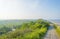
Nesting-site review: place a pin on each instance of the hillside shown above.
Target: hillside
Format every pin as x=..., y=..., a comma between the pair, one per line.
x=31, y=30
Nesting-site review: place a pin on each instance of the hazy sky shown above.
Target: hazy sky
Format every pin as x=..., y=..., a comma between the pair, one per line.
x=29, y=9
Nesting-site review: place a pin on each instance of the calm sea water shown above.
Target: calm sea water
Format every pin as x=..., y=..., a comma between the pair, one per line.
x=57, y=21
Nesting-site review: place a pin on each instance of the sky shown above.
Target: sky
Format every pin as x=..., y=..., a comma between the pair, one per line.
x=29, y=9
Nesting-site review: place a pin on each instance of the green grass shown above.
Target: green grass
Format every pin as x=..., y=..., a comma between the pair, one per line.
x=58, y=31
x=31, y=30
x=57, y=28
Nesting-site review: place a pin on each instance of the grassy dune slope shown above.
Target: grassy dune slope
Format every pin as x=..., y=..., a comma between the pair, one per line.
x=31, y=30
x=57, y=28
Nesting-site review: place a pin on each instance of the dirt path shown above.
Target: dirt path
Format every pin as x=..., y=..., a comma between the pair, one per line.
x=51, y=34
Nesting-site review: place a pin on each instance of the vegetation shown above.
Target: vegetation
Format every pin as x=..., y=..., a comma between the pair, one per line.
x=32, y=30
x=57, y=29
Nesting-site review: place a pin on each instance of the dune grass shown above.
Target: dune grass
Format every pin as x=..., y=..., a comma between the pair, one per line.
x=31, y=30
x=57, y=28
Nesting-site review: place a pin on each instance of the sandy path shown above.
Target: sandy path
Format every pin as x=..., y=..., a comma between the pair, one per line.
x=51, y=34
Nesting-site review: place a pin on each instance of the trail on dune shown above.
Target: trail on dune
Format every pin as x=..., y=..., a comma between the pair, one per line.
x=51, y=34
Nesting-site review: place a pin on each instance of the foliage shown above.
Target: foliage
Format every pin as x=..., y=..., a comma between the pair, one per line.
x=31, y=30
x=57, y=28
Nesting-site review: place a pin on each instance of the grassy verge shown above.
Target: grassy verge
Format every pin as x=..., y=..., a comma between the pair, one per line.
x=57, y=28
